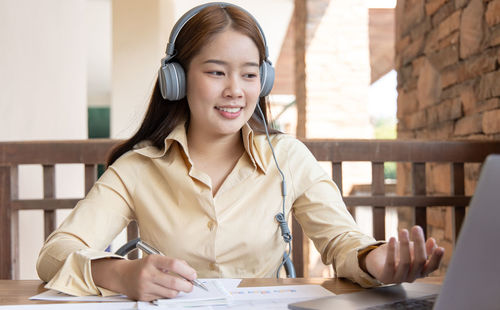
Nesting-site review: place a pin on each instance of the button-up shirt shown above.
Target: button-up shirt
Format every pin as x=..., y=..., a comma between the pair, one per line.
x=231, y=234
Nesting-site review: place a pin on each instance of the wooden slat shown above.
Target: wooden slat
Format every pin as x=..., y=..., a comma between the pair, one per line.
x=457, y=188
x=401, y=150
x=412, y=201
x=14, y=222
x=419, y=188
x=337, y=174
x=90, y=176
x=298, y=255
x=44, y=204
x=5, y=224
x=55, y=152
x=132, y=233
x=378, y=189
x=49, y=192
x=299, y=25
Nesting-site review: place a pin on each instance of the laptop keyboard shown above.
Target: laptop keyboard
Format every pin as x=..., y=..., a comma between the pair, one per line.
x=425, y=302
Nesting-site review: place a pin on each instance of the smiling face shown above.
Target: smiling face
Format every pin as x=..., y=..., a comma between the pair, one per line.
x=223, y=85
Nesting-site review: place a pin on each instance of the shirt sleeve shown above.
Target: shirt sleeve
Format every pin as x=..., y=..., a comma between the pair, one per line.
x=65, y=258
x=322, y=214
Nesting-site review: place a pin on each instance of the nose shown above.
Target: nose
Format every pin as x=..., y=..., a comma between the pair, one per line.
x=233, y=88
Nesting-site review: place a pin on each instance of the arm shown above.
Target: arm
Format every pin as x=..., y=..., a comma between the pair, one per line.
x=320, y=210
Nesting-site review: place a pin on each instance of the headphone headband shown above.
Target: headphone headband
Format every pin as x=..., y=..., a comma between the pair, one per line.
x=191, y=13
x=171, y=75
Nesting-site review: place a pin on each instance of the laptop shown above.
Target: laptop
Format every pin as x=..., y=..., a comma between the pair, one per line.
x=473, y=277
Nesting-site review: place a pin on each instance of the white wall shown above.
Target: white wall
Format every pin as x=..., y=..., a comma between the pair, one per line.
x=42, y=95
x=98, y=29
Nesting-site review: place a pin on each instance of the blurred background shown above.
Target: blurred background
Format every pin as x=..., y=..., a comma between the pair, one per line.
x=78, y=69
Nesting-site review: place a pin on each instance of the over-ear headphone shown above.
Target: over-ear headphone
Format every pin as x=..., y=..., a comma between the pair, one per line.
x=171, y=75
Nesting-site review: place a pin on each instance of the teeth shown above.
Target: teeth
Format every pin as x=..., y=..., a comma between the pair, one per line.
x=229, y=110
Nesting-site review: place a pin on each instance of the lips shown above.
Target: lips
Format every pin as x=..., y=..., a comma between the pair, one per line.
x=229, y=112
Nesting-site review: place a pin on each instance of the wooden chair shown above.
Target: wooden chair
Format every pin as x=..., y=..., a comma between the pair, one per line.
x=93, y=152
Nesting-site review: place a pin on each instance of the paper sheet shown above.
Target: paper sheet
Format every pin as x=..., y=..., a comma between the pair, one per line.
x=77, y=306
x=52, y=295
x=269, y=298
x=242, y=298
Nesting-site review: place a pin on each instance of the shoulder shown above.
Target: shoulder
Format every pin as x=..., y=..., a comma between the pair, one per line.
x=286, y=147
x=129, y=162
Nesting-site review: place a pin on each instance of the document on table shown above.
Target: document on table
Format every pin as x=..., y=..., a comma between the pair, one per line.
x=270, y=297
x=131, y=305
x=223, y=294
x=52, y=295
x=217, y=295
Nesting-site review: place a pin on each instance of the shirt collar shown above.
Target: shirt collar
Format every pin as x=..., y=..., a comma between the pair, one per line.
x=253, y=147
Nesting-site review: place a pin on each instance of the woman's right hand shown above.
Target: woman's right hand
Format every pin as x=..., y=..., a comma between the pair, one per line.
x=144, y=279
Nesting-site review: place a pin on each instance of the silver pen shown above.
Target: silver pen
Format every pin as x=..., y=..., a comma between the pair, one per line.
x=150, y=250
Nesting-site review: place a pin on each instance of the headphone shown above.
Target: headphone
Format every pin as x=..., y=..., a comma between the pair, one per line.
x=171, y=75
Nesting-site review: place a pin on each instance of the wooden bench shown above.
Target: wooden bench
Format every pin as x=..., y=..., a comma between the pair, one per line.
x=93, y=152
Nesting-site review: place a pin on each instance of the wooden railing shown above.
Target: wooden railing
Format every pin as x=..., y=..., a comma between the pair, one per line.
x=418, y=154
x=94, y=152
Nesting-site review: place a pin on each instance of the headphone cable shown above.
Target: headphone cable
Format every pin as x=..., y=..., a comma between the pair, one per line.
x=281, y=217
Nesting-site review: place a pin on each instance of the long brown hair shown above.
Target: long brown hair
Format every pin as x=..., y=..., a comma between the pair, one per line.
x=162, y=115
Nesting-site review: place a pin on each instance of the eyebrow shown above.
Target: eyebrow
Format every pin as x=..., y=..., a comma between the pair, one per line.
x=224, y=63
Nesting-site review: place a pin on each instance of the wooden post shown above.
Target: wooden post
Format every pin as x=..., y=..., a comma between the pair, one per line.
x=300, y=254
x=378, y=189
x=5, y=224
x=49, y=191
x=300, y=15
x=457, y=189
x=419, y=188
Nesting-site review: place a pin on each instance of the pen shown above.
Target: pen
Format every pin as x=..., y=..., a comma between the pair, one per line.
x=150, y=250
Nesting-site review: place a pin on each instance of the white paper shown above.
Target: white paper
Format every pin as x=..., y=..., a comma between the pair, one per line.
x=217, y=294
x=52, y=295
x=286, y=292
x=242, y=298
x=76, y=306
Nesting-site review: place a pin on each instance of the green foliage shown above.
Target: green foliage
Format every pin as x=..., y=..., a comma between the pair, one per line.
x=385, y=128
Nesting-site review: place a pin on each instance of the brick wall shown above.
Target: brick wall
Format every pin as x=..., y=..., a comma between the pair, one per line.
x=447, y=59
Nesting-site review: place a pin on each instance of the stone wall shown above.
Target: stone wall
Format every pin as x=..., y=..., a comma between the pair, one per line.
x=447, y=59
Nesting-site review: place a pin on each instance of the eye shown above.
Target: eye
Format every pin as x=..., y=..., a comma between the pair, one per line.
x=250, y=75
x=216, y=73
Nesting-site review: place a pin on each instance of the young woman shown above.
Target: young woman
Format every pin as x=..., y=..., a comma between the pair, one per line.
x=200, y=179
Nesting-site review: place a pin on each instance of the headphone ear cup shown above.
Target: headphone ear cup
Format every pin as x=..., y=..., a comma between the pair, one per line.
x=172, y=81
x=266, y=78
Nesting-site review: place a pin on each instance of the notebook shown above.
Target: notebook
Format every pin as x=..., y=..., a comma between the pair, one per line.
x=473, y=277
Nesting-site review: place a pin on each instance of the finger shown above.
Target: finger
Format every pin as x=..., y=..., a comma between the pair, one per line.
x=404, y=257
x=434, y=261
x=390, y=262
x=177, y=266
x=419, y=254
x=168, y=285
x=430, y=245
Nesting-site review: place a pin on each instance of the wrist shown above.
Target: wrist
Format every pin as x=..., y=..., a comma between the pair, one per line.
x=106, y=273
x=363, y=256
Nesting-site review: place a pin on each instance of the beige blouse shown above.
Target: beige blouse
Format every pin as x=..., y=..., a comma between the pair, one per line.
x=231, y=235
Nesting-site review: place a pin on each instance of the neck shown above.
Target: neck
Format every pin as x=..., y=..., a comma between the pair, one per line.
x=214, y=147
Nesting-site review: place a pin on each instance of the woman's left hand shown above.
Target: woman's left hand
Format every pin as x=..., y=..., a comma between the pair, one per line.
x=404, y=260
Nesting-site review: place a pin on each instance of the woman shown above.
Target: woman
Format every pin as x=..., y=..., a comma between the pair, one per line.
x=201, y=181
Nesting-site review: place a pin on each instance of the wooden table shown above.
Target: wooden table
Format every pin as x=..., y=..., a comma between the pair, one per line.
x=17, y=292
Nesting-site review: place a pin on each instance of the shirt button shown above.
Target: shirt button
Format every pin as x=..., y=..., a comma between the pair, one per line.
x=212, y=266
x=211, y=225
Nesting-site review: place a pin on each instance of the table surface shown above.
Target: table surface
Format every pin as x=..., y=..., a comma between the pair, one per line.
x=17, y=292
